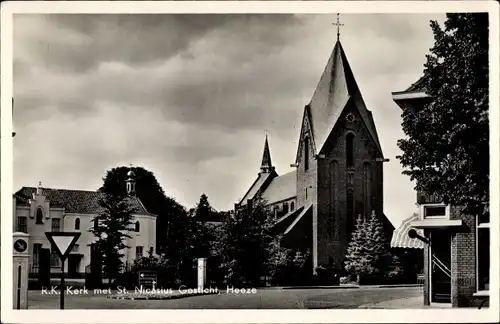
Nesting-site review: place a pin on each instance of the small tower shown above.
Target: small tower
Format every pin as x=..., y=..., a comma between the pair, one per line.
x=39, y=188
x=266, y=165
x=130, y=183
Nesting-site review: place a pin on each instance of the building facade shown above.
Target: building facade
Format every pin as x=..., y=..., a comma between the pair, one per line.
x=338, y=170
x=39, y=210
x=456, y=245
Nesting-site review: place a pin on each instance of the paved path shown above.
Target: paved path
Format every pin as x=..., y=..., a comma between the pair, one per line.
x=262, y=299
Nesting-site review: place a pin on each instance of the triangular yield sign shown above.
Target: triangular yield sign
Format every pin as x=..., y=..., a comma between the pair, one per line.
x=63, y=241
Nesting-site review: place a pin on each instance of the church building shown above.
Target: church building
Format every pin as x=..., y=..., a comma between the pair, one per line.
x=338, y=170
x=39, y=210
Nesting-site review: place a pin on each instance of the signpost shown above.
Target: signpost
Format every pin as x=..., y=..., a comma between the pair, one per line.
x=20, y=270
x=147, y=278
x=63, y=242
x=202, y=273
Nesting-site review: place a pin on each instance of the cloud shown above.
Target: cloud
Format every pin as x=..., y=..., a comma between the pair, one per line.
x=189, y=96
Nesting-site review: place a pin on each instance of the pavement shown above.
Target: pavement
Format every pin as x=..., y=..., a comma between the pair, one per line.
x=339, y=298
x=398, y=303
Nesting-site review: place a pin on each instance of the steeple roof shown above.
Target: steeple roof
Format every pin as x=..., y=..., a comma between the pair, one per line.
x=336, y=88
x=266, y=165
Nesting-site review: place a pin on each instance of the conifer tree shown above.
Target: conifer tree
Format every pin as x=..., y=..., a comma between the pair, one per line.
x=355, y=260
x=377, y=247
x=111, y=228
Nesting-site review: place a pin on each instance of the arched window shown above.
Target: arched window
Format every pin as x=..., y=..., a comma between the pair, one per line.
x=292, y=206
x=137, y=226
x=77, y=223
x=349, y=149
x=306, y=153
x=285, y=208
x=350, y=211
x=39, y=215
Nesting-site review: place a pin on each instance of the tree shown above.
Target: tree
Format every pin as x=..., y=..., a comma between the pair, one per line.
x=356, y=262
x=377, y=247
x=368, y=256
x=447, y=149
x=111, y=229
x=171, y=222
x=246, y=241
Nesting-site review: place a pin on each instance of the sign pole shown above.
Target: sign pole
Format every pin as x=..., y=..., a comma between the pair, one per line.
x=63, y=242
x=19, y=274
x=62, y=284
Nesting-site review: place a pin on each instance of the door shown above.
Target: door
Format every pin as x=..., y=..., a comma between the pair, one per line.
x=440, y=252
x=73, y=264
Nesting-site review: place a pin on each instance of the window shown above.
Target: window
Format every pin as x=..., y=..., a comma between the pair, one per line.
x=276, y=211
x=75, y=248
x=39, y=216
x=306, y=153
x=137, y=227
x=37, y=247
x=349, y=149
x=77, y=223
x=22, y=224
x=54, y=258
x=350, y=212
x=292, y=206
x=56, y=224
x=96, y=224
x=435, y=211
x=285, y=208
x=483, y=253
x=138, y=252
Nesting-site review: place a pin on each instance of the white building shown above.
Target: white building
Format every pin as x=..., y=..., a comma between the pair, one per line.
x=40, y=210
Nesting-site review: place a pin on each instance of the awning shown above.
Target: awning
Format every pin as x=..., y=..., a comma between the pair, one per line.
x=400, y=238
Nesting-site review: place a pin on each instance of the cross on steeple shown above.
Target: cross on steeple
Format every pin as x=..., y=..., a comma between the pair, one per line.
x=338, y=24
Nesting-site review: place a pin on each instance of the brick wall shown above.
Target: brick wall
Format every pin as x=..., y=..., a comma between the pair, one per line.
x=463, y=260
x=332, y=202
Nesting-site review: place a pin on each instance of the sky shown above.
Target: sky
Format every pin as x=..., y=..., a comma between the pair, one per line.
x=190, y=97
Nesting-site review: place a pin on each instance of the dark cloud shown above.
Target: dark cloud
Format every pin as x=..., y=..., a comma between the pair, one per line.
x=136, y=39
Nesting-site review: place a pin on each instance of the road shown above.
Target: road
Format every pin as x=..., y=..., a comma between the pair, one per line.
x=263, y=299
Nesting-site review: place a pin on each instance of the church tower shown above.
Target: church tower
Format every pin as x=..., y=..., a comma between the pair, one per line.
x=266, y=165
x=339, y=169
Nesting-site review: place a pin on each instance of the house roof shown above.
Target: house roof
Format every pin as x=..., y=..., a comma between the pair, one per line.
x=418, y=85
x=335, y=88
x=256, y=186
x=400, y=238
x=297, y=220
x=281, y=188
x=75, y=201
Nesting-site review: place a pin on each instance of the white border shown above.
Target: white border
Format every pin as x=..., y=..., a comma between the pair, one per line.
x=241, y=316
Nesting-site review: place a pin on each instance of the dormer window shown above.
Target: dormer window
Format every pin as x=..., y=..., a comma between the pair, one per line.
x=39, y=216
